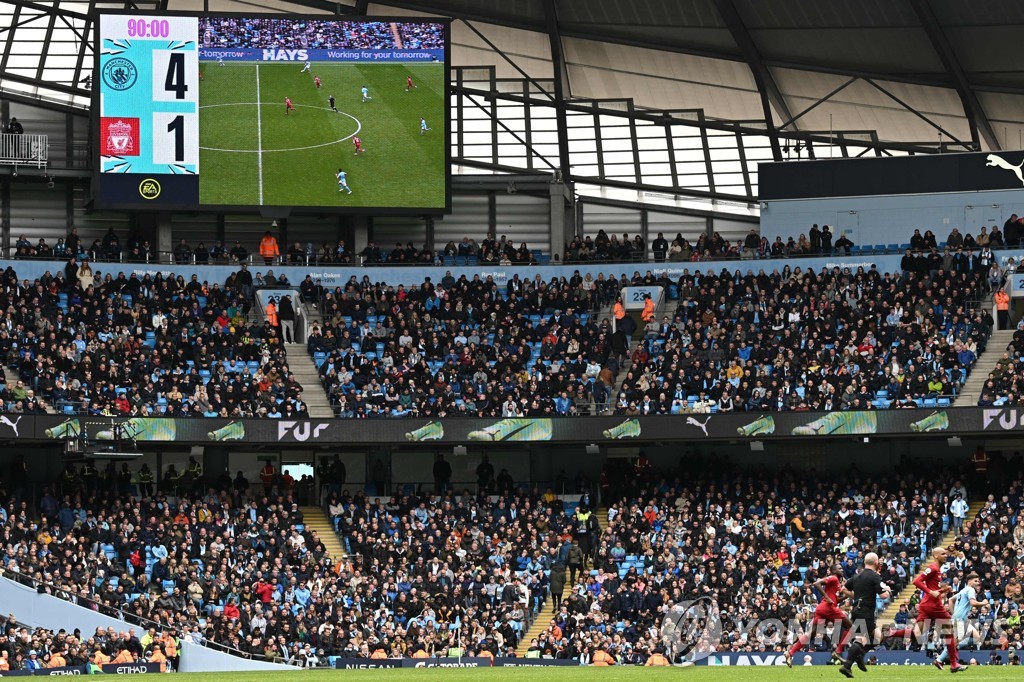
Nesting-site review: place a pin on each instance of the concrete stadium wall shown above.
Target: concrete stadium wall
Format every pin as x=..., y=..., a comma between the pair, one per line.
x=891, y=219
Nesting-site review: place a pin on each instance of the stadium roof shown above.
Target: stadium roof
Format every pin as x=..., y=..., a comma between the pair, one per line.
x=910, y=72
x=952, y=65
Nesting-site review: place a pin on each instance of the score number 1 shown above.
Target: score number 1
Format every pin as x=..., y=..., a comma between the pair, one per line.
x=176, y=131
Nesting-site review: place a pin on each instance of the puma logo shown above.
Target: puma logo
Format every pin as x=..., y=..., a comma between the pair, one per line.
x=1000, y=162
x=13, y=424
x=703, y=427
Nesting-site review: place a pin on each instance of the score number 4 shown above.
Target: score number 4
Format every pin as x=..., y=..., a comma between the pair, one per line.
x=177, y=130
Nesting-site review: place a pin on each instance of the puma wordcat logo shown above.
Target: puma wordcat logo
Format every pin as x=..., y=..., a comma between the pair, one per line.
x=1000, y=162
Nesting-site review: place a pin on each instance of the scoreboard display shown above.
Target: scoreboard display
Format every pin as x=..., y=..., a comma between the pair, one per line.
x=226, y=112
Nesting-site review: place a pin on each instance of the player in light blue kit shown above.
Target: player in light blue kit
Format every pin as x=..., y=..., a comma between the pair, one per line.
x=423, y=126
x=343, y=182
x=366, y=94
x=961, y=604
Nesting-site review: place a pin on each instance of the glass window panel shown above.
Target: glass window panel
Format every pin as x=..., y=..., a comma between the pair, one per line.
x=652, y=144
x=614, y=145
x=652, y=158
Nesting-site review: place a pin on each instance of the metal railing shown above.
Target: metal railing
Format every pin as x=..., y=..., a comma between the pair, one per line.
x=24, y=150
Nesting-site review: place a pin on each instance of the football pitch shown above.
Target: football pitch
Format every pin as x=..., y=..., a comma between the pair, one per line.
x=627, y=674
x=252, y=153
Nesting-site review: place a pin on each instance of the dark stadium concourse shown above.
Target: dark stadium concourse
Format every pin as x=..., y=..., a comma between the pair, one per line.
x=389, y=469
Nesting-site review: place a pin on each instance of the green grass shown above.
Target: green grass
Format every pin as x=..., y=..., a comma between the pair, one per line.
x=694, y=674
x=400, y=167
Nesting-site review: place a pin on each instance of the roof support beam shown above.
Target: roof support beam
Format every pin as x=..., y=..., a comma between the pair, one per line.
x=771, y=95
x=561, y=78
x=973, y=110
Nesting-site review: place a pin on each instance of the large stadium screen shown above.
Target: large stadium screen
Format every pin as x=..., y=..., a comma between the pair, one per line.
x=235, y=112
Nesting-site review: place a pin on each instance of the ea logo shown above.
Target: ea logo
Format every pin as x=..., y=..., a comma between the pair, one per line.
x=149, y=189
x=120, y=74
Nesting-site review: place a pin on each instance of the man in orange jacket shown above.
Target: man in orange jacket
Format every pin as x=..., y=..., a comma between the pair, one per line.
x=157, y=656
x=648, y=314
x=1003, y=308
x=268, y=248
x=603, y=659
x=271, y=312
x=657, y=658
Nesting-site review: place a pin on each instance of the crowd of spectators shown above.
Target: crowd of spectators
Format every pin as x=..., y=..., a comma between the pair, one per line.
x=1005, y=383
x=804, y=340
x=818, y=241
x=318, y=34
x=26, y=648
x=463, y=346
x=992, y=546
x=501, y=251
x=99, y=343
x=426, y=574
x=753, y=541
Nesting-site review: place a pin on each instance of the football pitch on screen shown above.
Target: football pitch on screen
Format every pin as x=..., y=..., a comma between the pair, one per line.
x=827, y=673
x=252, y=153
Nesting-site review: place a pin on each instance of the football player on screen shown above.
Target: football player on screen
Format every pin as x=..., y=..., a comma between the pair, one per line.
x=305, y=69
x=343, y=181
x=366, y=94
x=316, y=82
x=330, y=103
x=288, y=106
x=423, y=126
x=409, y=85
x=358, y=144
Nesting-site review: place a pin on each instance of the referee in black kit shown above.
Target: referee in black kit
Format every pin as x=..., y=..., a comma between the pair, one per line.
x=330, y=103
x=864, y=587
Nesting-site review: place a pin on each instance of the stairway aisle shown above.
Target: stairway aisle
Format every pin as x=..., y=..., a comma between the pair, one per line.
x=13, y=378
x=315, y=519
x=313, y=394
x=907, y=593
x=971, y=391
x=543, y=619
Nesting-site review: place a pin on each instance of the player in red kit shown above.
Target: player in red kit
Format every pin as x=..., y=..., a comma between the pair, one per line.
x=827, y=613
x=288, y=106
x=932, y=608
x=316, y=82
x=409, y=85
x=358, y=144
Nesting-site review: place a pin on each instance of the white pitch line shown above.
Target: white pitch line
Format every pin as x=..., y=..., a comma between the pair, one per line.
x=261, y=151
x=259, y=135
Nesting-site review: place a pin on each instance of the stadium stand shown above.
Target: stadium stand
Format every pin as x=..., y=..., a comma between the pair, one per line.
x=239, y=568
x=830, y=340
x=26, y=648
x=87, y=341
x=465, y=346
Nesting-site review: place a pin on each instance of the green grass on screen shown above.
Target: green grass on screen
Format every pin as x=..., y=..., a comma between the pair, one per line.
x=298, y=155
